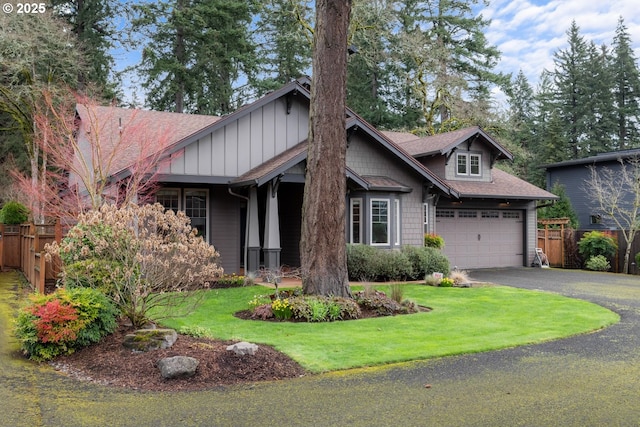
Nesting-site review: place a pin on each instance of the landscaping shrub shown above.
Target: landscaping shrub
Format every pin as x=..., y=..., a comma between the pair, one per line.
x=391, y=265
x=596, y=243
x=446, y=283
x=433, y=241
x=360, y=262
x=367, y=263
x=152, y=260
x=64, y=321
x=13, y=213
x=380, y=303
x=598, y=263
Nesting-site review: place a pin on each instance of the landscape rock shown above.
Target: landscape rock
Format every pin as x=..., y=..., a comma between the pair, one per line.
x=243, y=348
x=150, y=339
x=177, y=367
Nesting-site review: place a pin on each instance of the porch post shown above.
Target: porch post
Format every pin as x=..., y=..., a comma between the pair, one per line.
x=272, y=229
x=252, y=243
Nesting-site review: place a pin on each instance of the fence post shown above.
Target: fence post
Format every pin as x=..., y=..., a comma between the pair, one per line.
x=42, y=274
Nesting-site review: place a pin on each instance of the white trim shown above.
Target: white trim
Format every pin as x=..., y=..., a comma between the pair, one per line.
x=396, y=202
x=353, y=202
x=425, y=217
x=468, y=157
x=168, y=189
x=388, y=203
x=206, y=204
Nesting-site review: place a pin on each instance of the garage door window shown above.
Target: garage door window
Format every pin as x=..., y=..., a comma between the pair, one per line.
x=379, y=221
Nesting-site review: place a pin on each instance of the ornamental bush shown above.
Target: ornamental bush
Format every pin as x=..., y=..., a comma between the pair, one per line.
x=433, y=241
x=13, y=213
x=367, y=263
x=596, y=243
x=598, y=263
x=147, y=259
x=59, y=323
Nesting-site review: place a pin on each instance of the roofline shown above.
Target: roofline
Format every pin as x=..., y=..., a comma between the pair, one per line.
x=273, y=173
x=599, y=158
x=356, y=120
x=498, y=197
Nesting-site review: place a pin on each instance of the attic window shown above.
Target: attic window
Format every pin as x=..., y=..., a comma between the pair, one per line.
x=468, y=164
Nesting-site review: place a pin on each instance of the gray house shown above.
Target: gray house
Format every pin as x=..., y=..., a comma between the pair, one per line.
x=241, y=180
x=573, y=174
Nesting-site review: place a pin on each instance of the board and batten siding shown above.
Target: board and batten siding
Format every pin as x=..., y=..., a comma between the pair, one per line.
x=225, y=227
x=367, y=158
x=245, y=143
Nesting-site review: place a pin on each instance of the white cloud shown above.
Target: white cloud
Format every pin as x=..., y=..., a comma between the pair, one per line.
x=529, y=32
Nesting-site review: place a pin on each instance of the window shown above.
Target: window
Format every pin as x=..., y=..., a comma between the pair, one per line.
x=355, y=229
x=425, y=217
x=511, y=215
x=468, y=164
x=169, y=198
x=195, y=202
x=397, y=206
x=490, y=214
x=379, y=221
x=445, y=213
x=467, y=214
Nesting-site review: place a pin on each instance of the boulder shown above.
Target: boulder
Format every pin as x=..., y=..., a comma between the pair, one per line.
x=243, y=348
x=150, y=339
x=177, y=367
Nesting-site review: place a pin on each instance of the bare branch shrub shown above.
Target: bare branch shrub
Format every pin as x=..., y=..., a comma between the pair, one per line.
x=150, y=262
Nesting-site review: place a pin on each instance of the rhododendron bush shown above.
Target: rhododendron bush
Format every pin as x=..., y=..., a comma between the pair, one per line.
x=148, y=260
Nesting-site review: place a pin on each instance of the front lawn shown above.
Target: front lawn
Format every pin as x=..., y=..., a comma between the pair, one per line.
x=461, y=321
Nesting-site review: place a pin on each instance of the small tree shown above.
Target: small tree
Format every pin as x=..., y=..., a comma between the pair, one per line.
x=149, y=261
x=13, y=213
x=616, y=195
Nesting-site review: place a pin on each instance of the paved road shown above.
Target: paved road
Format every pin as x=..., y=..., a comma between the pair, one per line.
x=588, y=380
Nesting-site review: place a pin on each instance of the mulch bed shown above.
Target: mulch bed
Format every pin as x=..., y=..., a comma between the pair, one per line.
x=109, y=363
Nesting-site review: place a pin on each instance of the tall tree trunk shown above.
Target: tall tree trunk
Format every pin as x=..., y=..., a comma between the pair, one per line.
x=323, y=242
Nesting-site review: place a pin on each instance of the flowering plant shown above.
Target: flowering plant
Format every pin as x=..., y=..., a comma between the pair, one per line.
x=282, y=309
x=446, y=282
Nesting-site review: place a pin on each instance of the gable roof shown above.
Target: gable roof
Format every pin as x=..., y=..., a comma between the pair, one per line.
x=610, y=156
x=443, y=143
x=503, y=186
x=134, y=132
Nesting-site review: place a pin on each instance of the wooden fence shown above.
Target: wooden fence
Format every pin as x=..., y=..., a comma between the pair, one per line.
x=561, y=248
x=22, y=247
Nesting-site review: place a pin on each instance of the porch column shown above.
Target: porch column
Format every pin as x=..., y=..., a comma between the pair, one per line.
x=272, y=229
x=252, y=243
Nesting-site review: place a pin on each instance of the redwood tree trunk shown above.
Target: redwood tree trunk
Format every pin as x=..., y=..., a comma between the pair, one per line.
x=323, y=242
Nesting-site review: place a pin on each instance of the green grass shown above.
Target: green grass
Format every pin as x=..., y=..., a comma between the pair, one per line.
x=461, y=321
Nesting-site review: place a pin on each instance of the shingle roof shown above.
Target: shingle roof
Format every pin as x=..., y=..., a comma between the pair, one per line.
x=384, y=183
x=504, y=185
x=443, y=142
x=273, y=167
x=136, y=132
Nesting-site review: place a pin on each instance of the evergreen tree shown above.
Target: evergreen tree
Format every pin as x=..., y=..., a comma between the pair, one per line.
x=600, y=132
x=93, y=24
x=562, y=208
x=572, y=91
x=369, y=71
x=445, y=58
x=520, y=98
x=626, y=89
x=197, y=52
x=283, y=43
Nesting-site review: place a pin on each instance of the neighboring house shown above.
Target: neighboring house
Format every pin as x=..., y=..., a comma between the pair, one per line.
x=573, y=174
x=241, y=180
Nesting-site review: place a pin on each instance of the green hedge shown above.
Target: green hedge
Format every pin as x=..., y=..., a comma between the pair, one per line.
x=367, y=263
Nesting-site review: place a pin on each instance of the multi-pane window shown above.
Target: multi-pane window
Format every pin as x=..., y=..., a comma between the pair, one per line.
x=468, y=164
x=425, y=217
x=379, y=221
x=397, y=215
x=196, y=208
x=169, y=198
x=356, y=221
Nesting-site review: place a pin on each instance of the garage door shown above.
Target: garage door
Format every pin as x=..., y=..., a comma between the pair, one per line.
x=481, y=238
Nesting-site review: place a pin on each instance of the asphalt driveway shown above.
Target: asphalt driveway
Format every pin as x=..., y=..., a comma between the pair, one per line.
x=587, y=380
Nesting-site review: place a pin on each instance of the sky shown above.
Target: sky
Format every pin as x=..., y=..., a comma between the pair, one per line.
x=529, y=32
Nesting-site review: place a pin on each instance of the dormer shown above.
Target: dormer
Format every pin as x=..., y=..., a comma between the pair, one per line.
x=464, y=155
